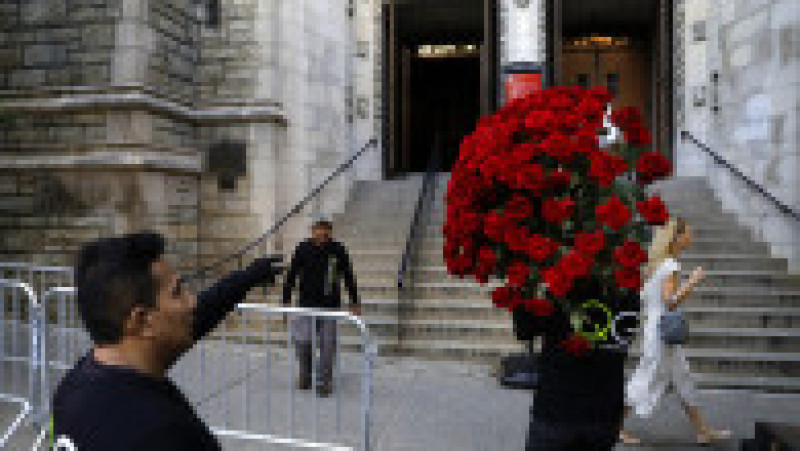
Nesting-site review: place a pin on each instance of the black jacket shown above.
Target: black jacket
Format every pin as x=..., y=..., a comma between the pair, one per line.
x=108, y=408
x=320, y=269
x=587, y=388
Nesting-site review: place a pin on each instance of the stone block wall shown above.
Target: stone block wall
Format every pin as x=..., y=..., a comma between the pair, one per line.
x=54, y=212
x=57, y=42
x=234, y=53
x=174, y=55
x=119, y=102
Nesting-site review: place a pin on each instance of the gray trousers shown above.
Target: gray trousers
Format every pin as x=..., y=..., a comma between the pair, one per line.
x=326, y=342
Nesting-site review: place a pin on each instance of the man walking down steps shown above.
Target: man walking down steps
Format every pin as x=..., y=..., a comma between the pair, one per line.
x=320, y=262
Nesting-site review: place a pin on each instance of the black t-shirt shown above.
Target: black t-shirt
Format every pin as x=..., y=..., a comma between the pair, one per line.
x=320, y=268
x=101, y=407
x=110, y=408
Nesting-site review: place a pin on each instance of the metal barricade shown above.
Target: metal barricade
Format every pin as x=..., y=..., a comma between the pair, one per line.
x=64, y=341
x=239, y=378
x=19, y=348
x=39, y=278
x=241, y=381
x=16, y=422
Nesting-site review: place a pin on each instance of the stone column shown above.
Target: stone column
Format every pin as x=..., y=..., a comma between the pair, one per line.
x=696, y=35
x=135, y=40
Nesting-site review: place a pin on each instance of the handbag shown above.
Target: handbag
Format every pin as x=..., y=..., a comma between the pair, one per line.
x=673, y=327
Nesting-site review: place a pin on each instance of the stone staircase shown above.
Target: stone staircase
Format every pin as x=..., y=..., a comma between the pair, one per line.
x=745, y=318
x=373, y=227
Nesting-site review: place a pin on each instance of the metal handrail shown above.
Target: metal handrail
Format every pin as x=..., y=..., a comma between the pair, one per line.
x=239, y=255
x=783, y=208
x=427, y=181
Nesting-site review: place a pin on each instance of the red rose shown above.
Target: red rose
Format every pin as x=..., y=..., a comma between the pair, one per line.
x=517, y=273
x=601, y=94
x=575, y=345
x=558, y=282
x=501, y=297
x=506, y=297
x=487, y=258
x=638, y=136
x=590, y=243
x=613, y=213
x=558, y=179
x=626, y=118
x=557, y=211
x=560, y=147
x=576, y=264
x=539, y=307
x=495, y=226
x=630, y=255
x=628, y=278
x=654, y=210
x=540, y=248
x=519, y=208
x=652, y=166
x=605, y=167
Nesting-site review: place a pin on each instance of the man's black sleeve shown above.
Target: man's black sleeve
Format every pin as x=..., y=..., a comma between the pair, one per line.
x=291, y=276
x=349, y=278
x=217, y=301
x=171, y=436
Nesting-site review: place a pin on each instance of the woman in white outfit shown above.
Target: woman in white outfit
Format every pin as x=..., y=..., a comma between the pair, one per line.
x=664, y=366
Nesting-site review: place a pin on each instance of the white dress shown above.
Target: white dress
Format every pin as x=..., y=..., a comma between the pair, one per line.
x=661, y=365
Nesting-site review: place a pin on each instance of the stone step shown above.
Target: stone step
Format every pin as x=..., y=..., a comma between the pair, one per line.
x=471, y=331
x=738, y=297
x=706, y=245
x=744, y=339
x=753, y=383
x=762, y=280
x=744, y=317
x=458, y=350
x=484, y=310
x=699, y=220
x=701, y=297
x=744, y=363
x=715, y=277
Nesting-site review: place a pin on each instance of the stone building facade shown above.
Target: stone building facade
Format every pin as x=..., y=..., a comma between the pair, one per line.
x=207, y=119
x=200, y=119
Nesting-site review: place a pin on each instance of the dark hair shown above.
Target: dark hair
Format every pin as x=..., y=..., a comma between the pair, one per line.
x=112, y=276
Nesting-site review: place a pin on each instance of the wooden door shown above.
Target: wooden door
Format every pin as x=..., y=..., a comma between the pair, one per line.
x=624, y=69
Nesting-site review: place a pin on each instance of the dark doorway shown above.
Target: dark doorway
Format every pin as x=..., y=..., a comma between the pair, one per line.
x=444, y=100
x=438, y=78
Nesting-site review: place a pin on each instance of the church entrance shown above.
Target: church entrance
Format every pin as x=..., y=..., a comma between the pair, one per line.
x=439, y=72
x=624, y=45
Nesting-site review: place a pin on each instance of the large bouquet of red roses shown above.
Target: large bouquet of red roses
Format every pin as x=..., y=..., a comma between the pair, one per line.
x=534, y=200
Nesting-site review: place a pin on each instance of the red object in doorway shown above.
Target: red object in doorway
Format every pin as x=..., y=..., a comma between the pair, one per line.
x=520, y=85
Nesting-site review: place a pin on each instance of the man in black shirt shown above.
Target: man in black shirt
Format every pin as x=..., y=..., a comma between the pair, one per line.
x=319, y=262
x=141, y=319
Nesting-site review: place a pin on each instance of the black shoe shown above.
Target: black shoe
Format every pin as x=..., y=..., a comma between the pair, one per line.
x=303, y=383
x=324, y=390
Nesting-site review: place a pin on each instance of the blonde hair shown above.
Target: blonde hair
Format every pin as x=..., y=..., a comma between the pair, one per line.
x=663, y=243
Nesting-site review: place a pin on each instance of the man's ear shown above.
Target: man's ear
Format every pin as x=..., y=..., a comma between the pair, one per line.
x=138, y=323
